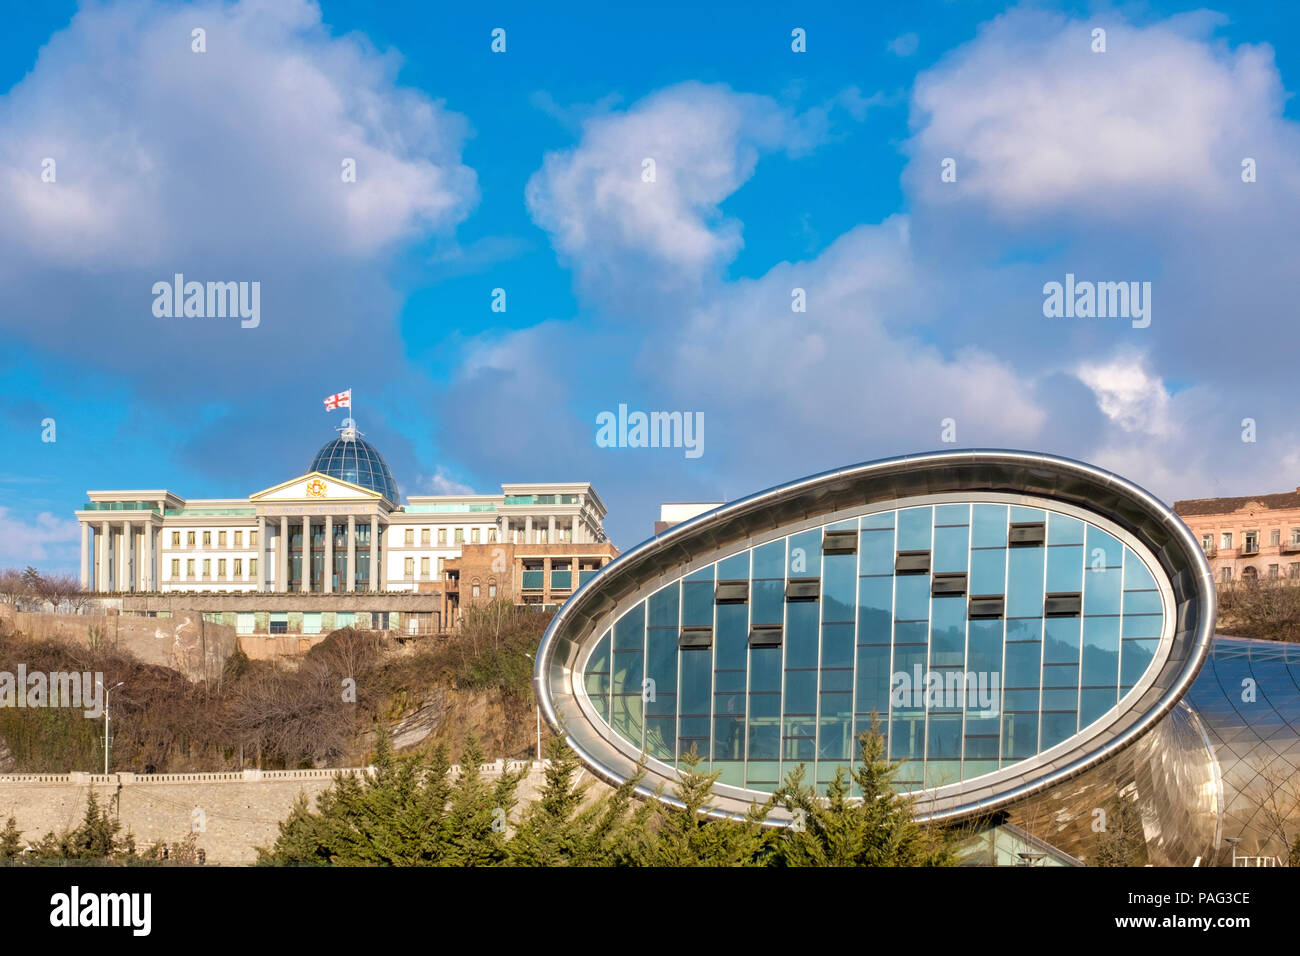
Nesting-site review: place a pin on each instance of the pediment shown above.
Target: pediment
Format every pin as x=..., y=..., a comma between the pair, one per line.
x=316, y=487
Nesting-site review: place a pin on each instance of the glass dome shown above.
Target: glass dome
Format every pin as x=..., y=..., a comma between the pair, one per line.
x=352, y=458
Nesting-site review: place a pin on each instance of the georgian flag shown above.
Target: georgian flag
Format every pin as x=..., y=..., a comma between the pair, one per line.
x=340, y=400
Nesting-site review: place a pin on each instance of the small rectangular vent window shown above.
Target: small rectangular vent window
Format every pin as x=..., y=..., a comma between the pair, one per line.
x=731, y=592
x=912, y=562
x=765, y=635
x=840, y=542
x=803, y=589
x=1027, y=533
x=1063, y=604
x=986, y=605
x=948, y=584
x=695, y=637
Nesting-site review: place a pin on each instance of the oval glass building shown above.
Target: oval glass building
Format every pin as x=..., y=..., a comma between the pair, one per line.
x=1011, y=619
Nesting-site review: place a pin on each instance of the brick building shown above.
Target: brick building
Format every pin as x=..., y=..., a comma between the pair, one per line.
x=537, y=574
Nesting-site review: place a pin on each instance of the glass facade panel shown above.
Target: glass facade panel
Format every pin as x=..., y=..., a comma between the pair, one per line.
x=956, y=697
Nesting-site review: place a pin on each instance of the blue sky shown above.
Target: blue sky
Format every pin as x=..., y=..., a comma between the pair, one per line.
x=522, y=170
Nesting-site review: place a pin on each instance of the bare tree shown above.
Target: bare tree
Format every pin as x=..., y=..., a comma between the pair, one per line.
x=57, y=589
x=13, y=586
x=1268, y=609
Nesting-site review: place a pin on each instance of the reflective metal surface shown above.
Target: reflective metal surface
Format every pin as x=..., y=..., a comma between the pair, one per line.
x=1249, y=701
x=1170, y=775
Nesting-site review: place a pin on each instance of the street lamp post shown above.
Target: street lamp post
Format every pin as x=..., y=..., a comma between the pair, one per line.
x=107, y=691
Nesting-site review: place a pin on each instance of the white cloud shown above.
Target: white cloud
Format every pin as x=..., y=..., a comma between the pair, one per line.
x=224, y=166
x=904, y=45
x=49, y=543
x=162, y=152
x=441, y=483
x=619, y=230
x=1038, y=121
x=1129, y=394
x=854, y=370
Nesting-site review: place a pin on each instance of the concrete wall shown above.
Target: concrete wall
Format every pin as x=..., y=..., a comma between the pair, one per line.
x=234, y=812
x=184, y=642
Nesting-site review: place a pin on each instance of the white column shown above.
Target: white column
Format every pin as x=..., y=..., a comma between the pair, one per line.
x=550, y=530
x=528, y=530
x=102, y=540
x=377, y=558
x=146, y=572
x=85, y=555
x=328, y=582
x=125, y=581
x=352, y=553
x=306, y=553
x=282, y=566
x=261, y=552
x=575, y=532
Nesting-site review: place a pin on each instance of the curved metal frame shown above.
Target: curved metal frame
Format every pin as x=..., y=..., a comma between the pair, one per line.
x=1111, y=498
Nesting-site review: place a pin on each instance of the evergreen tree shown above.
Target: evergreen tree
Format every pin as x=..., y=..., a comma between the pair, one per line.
x=11, y=840
x=877, y=828
x=409, y=813
x=685, y=834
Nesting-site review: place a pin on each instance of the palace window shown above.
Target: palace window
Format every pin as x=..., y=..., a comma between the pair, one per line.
x=221, y=539
x=409, y=567
x=442, y=536
x=252, y=539
x=1275, y=537
x=189, y=539
x=424, y=537
x=239, y=539
x=239, y=567
x=176, y=568
x=207, y=539
x=473, y=536
x=460, y=535
x=221, y=568
x=1225, y=541
x=424, y=567
x=189, y=568
x=176, y=539
x=410, y=537
x=252, y=566
x=207, y=567
x=1207, y=542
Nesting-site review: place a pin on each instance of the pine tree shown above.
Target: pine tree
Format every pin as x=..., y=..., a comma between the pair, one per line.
x=11, y=840
x=685, y=833
x=877, y=828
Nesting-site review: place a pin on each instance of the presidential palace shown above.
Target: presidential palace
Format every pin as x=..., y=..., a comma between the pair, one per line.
x=316, y=549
